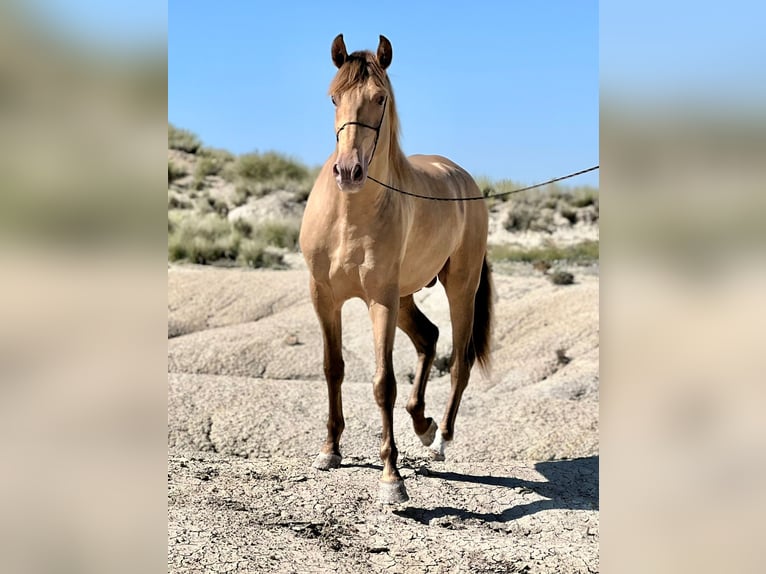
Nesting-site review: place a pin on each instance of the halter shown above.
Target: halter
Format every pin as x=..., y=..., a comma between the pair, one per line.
x=376, y=129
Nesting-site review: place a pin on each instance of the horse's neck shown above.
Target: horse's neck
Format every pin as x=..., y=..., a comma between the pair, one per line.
x=382, y=165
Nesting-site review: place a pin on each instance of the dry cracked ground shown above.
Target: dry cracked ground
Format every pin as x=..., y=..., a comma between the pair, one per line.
x=246, y=414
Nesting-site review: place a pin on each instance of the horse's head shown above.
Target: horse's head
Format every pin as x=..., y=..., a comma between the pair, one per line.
x=361, y=94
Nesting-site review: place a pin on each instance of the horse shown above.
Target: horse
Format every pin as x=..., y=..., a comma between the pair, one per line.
x=361, y=238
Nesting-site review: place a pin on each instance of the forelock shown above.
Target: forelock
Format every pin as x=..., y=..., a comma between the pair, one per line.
x=358, y=68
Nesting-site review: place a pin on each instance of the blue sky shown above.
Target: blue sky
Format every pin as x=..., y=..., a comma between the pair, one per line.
x=506, y=89
x=684, y=53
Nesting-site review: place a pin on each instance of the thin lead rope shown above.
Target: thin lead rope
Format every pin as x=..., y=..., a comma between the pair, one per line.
x=595, y=167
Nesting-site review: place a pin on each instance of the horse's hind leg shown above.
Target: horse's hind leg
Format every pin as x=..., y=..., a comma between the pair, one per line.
x=461, y=291
x=328, y=312
x=423, y=335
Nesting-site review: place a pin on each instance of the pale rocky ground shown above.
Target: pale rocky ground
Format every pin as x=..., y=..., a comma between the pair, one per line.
x=246, y=415
x=247, y=409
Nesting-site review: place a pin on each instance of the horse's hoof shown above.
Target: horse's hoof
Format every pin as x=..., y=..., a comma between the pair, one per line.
x=428, y=437
x=326, y=461
x=392, y=492
x=436, y=449
x=436, y=455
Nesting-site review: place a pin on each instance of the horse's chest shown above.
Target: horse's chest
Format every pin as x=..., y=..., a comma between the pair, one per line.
x=346, y=260
x=354, y=259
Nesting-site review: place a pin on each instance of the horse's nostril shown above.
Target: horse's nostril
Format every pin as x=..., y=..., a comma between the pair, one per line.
x=357, y=175
x=335, y=170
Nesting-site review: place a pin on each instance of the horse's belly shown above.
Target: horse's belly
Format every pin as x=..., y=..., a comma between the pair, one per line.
x=416, y=273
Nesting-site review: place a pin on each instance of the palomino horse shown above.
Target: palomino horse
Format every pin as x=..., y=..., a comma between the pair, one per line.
x=361, y=239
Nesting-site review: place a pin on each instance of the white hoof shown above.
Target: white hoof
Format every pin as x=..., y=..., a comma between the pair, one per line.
x=326, y=461
x=427, y=438
x=436, y=449
x=392, y=492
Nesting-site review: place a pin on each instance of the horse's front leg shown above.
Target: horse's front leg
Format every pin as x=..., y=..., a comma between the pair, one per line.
x=384, y=306
x=328, y=312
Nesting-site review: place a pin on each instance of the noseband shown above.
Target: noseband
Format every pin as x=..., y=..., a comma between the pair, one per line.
x=375, y=129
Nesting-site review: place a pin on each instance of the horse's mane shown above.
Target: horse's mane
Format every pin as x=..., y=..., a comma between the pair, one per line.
x=357, y=69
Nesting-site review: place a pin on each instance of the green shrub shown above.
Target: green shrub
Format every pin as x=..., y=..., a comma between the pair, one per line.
x=183, y=140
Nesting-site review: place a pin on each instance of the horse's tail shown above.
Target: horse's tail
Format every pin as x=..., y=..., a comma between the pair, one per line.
x=482, y=318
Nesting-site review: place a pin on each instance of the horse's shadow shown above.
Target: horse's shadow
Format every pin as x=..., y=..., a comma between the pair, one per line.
x=571, y=484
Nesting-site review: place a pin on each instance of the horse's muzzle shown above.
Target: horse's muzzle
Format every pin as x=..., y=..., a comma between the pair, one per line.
x=350, y=176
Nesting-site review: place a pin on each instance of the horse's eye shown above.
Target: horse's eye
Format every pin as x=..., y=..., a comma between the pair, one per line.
x=381, y=99
x=334, y=103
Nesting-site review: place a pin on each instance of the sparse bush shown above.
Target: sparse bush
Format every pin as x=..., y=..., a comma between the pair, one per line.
x=543, y=221
x=258, y=174
x=569, y=214
x=520, y=217
x=210, y=239
x=255, y=254
x=278, y=234
x=217, y=205
x=221, y=156
x=203, y=240
x=585, y=196
x=210, y=162
x=442, y=364
x=175, y=172
x=176, y=201
x=553, y=197
x=270, y=166
x=183, y=140
x=243, y=227
x=559, y=277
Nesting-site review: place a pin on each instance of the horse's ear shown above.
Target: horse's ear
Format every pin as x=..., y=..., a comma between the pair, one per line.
x=385, y=52
x=338, y=51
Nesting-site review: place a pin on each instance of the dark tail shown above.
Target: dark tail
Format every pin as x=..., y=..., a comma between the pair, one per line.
x=482, y=318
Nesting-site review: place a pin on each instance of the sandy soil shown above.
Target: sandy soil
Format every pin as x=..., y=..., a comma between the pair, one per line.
x=246, y=414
